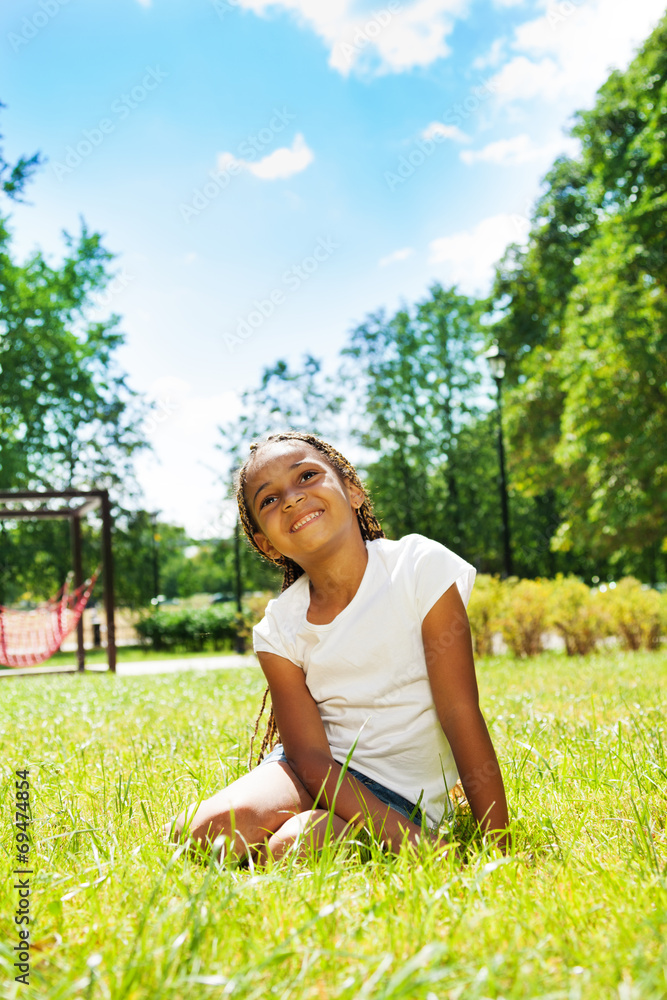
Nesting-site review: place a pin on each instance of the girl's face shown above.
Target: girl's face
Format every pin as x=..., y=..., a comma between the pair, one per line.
x=298, y=501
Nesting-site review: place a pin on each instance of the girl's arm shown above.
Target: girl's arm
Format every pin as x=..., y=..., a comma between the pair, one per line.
x=308, y=754
x=451, y=671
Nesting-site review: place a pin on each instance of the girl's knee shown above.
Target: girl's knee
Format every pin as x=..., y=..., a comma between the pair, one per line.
x=232, y=821
x=299, y=824
x=245, y=813
x=311, y=829
x=287, y=835
x=203, y=821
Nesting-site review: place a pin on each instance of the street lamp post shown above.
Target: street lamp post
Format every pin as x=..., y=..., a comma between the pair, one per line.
x=238, y=570
x=497, y=360
x=239, y=644
x=238, y=582
x=156, y=564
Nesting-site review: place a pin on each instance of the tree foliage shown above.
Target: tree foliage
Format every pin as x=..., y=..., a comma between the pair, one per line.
x=581, y=312
x=67, y=415
x=68, y=418
x=298, y=399
x=419, y=374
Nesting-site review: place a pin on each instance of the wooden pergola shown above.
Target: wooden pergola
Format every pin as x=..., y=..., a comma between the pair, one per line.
x=78, y=503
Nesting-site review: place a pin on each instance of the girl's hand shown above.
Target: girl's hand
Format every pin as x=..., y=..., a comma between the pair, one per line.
x=414, y=839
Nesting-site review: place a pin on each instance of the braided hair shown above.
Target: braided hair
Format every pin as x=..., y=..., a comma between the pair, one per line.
x=368, y=523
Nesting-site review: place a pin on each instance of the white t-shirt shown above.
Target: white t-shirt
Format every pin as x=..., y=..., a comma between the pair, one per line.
x=366, y=669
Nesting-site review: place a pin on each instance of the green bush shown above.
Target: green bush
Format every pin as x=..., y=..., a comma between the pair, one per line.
x=578, y=613
x=525, y=615
x=663, y=613
x=192, y=629
x=484, y=612
x=521, y=610
x=636, y=614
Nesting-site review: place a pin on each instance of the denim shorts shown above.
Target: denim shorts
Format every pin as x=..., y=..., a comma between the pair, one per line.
x=393, y=799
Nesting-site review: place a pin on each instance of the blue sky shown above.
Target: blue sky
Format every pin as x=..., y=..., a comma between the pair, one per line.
x=269, y=173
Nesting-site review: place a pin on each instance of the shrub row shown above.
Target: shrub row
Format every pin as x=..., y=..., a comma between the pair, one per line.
x=522, y=611
x=217, y=627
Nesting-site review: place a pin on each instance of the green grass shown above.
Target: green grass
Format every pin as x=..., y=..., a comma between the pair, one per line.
x=579, y=912
x=128, y=654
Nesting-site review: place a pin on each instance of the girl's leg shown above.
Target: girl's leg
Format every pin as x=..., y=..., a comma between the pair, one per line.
x=311, y=827
x=247, y=811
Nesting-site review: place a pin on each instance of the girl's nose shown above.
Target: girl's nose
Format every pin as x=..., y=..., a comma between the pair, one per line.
x=292, y=498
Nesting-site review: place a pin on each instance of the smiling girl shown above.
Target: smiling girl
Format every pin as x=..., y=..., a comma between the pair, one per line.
x=368, y=658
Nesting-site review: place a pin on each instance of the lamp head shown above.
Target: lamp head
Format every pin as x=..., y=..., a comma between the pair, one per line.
x=497, y=360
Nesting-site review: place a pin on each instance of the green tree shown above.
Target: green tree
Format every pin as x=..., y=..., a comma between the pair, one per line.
x=581, y=314
x=420, y=378
x=528, y=304
x=35, y=558
x=613, y=361
x=614, y=418
x=300, y=399
x=67, y=415
x=68, y=418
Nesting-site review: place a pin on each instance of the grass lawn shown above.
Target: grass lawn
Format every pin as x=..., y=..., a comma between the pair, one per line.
x=580, y=910
x=133, y=654
x=128, y=654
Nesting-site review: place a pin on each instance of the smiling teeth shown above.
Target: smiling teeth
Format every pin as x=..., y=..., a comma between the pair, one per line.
x=305, y=520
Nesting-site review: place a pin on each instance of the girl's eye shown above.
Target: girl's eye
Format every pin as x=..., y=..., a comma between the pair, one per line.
x=268, y=499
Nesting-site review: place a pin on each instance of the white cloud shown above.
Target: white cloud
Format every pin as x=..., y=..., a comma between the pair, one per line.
x=389, y=39
x=468, y=256
x=494, y=56
x=520, y=149
x=437, y=129
x=569, y=51
x=278, y=165
x=396, y=256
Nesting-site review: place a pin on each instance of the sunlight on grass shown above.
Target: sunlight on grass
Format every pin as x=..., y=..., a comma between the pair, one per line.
x=580, y=911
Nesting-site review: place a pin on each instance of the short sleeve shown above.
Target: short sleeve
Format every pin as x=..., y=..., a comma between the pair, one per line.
x=266, y=637
x=435, y=569
x=278, y=630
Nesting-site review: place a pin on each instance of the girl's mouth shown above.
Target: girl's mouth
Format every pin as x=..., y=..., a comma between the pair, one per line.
x=305, y=520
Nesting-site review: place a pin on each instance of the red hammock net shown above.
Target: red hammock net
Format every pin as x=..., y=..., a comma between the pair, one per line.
x=30, y=637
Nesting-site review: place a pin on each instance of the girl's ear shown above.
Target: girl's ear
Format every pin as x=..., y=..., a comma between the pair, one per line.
x=356, y=495
x=265, y=545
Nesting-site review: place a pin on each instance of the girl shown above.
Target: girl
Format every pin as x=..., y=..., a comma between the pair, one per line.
x=368, y=657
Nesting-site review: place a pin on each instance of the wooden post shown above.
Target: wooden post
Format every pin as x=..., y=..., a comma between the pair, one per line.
x=109, y=600
x=75, y=526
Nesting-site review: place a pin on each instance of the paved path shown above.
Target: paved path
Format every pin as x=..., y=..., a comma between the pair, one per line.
x=136, y=667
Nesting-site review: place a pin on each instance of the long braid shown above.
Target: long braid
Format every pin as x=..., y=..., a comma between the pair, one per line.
x=368, y=523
